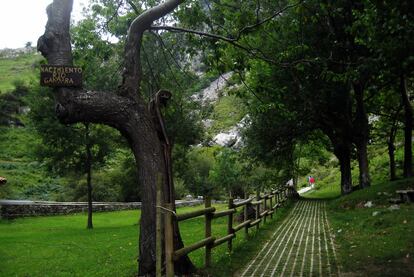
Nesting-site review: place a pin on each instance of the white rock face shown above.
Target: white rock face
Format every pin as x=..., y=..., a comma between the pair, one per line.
x=369, y=204
x=228, y=139
x=207, y=123
x=232, y=138
x=211, y=93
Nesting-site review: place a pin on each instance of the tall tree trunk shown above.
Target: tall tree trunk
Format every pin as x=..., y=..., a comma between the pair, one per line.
x=124, y=110
x=296, y=165
x=361, y=134
x=391, y=150
x=362, y=153
x=89, y=175
x=343, y=153
x=408, y=128
x=391, y=147
x=336, y=122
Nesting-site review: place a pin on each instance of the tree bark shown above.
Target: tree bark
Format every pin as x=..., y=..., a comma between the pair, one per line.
x=361, y=135
x=124, y=110
x=362, y=153
x=89, y=175
x=342, y=150
x=336, y=123
x=408, y=128
x=343, y=153
x=391, y=151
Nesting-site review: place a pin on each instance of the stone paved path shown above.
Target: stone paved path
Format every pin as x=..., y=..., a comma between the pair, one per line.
x=301, y=246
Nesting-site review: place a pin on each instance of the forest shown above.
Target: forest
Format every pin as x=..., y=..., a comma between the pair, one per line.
x=242, y=96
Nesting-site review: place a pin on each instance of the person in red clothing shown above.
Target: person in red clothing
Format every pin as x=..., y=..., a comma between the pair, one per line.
x=311, y=181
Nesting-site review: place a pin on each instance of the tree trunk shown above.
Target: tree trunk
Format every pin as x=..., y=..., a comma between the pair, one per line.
x=364, y=178
x=342, y=149
x=343, y=153
x=89, y=175
x=391, y=150
x=336, y=122
x=124, y=110
x=361, y=134
x=408, y=128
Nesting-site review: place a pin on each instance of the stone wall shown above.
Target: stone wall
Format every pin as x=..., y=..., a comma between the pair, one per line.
x=18, y=208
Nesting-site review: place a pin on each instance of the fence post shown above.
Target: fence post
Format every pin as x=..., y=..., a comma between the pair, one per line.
x=276, y=197
x=271, y=204
x=158, y=255
x=257, y=209
x=169, y=241
x=207, y=204
x=264, y=209
x=230, y=226
x=246, y=228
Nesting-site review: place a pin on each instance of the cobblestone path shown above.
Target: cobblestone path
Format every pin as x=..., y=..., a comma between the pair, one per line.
x=301, y=246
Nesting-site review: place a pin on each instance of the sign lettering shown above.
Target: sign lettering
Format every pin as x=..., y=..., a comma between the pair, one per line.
x=60, y=76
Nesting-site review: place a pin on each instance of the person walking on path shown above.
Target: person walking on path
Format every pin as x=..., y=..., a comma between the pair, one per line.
x=311, y=181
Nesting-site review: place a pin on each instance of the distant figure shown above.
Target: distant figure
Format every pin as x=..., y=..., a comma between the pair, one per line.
x=311, y=181
x=3, y=181
x=290, y=183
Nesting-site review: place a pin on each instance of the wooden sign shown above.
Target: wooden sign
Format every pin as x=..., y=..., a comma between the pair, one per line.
x=60, y=76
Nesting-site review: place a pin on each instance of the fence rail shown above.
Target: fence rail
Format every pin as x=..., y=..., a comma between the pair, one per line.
x=263, y=204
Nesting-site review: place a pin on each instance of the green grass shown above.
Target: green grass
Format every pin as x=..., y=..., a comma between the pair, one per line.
x=20, y=68
x=62, y=246
x=27, y=179
x=368, y=245
x=324, y=192
x=17, y=143
x=227, y=112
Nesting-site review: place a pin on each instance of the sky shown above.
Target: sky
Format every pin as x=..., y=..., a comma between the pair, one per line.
x=25, y=20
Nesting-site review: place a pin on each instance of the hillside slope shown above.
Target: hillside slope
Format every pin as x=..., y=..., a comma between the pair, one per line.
x=17, y=65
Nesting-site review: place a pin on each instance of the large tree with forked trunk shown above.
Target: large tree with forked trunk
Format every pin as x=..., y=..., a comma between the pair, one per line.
x=124, y=109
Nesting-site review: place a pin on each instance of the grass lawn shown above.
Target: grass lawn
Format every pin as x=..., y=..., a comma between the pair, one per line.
x=62, y=246
x=372, y=241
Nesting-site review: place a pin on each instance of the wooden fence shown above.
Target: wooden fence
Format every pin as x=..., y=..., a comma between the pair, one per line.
x=265, y=205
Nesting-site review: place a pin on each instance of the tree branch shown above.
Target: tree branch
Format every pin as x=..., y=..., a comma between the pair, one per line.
x=267, y=19
x=133, y=6
x=77, y=105
x=214, y=36
x=132, y=63
x=224, y=38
